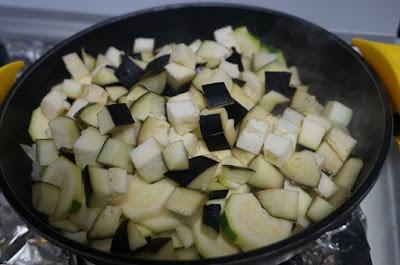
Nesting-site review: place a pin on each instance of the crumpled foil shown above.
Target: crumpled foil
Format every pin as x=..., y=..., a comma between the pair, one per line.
x=345, y=245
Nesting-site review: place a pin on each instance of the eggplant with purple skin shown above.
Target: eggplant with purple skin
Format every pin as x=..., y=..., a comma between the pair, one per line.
x=279, y=82
x=236, y=111
x=114, y=118
x=128, y=73
x=217, y=95
x=236, y=58
x=87, y=185
x=120, y=241
x=170, y=92
x=217, y=194
x=212, y=216
x=127, y=239
x=154, y=245
x=157, y=64
x=213, y=133
x=239, y=82
x=197, y=165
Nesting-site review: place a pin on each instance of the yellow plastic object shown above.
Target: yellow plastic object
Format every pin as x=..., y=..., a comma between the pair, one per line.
x=385, y=59
x=8, y=74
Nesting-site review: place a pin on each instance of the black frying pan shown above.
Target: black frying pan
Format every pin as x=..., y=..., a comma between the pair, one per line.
x=330, y=66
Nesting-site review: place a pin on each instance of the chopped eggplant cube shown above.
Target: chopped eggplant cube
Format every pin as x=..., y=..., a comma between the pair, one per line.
x=87, y=185
x=236, y=59
x=197, y=165
x=213, y=132
x=217, y=194
x=236, y=111
x=279, y=82
x=212, y=216
x=135, y=55
x=128, y=73
x=170, y=92
x=120, y=242
x=217, y=95
x=114, y=118
x=155, y=244
x=210, y=125
x=238, y=82
x=157, y=65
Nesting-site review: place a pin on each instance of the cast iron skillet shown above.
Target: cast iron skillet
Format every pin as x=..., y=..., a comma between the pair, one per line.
x=329, y=66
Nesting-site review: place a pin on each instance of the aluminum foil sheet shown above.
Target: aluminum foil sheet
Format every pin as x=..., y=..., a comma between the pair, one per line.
x=344, y=245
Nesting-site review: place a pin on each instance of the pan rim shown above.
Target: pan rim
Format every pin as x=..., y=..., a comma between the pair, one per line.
x=280, y=248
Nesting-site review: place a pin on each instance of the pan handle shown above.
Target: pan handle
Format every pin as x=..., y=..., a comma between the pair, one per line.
x=385, y=60
x=8, y=74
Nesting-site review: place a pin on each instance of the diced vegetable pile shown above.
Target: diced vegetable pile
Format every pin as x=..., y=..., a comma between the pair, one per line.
x=188, y=151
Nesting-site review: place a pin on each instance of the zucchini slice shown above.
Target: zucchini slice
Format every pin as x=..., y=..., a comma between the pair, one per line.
x=210, y=246
x=247, y=42
x=39, y=125
x=248, y=225
x=68, y=177
x=280, y=203
x=45, y=197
